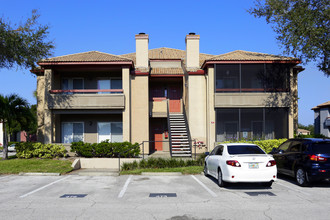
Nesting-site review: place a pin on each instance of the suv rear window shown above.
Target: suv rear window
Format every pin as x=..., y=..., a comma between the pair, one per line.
x=321, y=147
x=244, y=149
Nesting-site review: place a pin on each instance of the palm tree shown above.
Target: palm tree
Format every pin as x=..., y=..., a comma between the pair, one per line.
x=12, y=111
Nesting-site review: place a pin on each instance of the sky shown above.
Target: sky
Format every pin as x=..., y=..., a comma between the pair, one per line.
x=110, y=27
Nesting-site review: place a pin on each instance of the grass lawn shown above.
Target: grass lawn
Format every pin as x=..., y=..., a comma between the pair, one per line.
x=15, y=166
x=183, y=170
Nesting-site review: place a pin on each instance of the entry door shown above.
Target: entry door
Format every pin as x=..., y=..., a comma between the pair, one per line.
x=157, y=134
x=174, y=95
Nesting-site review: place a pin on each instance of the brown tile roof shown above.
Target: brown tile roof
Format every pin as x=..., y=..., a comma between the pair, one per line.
x=166, y=71
x=168, y=53
x=91, y=56
x=326, y=104
x=246, y=55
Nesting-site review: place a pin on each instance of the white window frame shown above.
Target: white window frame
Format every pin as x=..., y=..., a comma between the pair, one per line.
x=70, y=85
x=72, y=122
x=110, y=122
x=108, y=78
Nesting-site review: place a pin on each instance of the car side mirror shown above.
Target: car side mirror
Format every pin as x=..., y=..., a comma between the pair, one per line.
x=274, y=151
x=207, y=153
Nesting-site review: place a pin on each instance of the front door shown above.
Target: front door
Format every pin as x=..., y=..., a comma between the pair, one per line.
x=157, y=135
x=174, y=95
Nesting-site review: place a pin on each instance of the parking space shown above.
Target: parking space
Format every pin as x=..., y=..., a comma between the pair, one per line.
x=156, y=197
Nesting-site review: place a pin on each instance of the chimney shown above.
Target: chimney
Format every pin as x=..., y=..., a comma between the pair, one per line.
x=142, y=41
x=192, y=50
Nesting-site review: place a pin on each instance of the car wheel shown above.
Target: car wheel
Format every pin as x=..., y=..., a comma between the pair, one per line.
x=221, y=183
x=205, y=170
x=267, y=184
x=301, y=177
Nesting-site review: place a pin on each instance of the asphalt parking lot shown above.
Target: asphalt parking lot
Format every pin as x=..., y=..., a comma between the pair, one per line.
x=157, y=197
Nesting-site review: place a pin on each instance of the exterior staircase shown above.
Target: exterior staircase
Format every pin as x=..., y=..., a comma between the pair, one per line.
x=179, y=136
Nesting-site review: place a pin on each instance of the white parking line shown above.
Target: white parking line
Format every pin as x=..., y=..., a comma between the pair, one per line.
x=36, y=190
x=123, y=190
x=204, y=186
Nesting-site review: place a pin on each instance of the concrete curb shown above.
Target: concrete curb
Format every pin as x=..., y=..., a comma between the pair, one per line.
x=39, y=174
x=161, y=173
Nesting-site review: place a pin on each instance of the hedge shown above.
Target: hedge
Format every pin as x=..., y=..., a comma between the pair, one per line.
x=156, y=163
x=266, y=145
x=106, y=149
x=38, y=150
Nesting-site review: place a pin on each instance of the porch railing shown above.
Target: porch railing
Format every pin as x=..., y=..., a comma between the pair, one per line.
x=66, y=91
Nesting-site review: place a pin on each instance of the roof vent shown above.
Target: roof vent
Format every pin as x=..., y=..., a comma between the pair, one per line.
x=192, y=33
x=142, y=33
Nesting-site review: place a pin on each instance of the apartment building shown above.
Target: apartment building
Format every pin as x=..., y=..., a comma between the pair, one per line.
x=322, y=119
x=168, y=99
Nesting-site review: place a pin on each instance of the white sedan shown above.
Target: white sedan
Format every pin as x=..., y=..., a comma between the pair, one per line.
x=240, y=162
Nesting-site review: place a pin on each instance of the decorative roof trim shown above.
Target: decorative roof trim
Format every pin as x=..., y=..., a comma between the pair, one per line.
x=87, y=63
x=198, y=72
x=207, y=62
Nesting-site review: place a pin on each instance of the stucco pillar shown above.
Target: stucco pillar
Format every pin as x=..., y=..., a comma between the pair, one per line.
x=210, y=122
x=48, y=119
x=293, y=111
x=197, y=107
x=40, y=107
x=126, y=80
x=140, y=110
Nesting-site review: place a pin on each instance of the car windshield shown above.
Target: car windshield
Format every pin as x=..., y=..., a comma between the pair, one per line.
x=244, y=149
x=321, y=148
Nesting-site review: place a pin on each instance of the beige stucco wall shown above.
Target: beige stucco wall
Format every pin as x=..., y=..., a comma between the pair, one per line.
x=192, y=51
x=197, y=107
x=210, y=122
x=126, y=80
x=140, y=110
x=48, y=119
x=158, y=108
x=86, y=101
x=40, y=107
x=293, y=112
x=142, y=50
x=249, y=100
x=165, y=64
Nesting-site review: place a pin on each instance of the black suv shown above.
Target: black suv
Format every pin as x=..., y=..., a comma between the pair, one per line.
x=306, y=159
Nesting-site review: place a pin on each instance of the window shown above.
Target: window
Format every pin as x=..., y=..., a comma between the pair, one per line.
x=227, y=77
x=252, y=77
x=72, y=83
x=295, y=146
x=112, y=131
x=113, y=83
x=251, y=123
x=219, y=151
x=244, y=149
x=284, y=147
x=72, y=132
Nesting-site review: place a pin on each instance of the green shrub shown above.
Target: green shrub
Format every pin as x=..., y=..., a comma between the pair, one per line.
x=38, y=150
x=106, y=149
x=266, y=145
x=158, y=163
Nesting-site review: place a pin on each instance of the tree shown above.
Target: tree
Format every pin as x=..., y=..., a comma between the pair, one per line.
x=13, y=111
x=24, y=45
x=302, y=27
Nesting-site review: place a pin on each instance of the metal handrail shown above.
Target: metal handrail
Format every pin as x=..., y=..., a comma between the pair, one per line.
x=188, y=131
x=169, y=127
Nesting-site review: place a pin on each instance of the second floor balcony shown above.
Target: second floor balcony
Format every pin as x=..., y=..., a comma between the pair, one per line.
x=86, y=99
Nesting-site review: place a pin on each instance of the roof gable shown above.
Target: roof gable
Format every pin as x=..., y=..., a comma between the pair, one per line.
x=241, y=55
x=91, y=56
